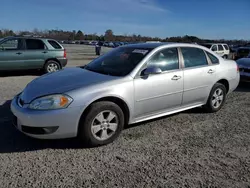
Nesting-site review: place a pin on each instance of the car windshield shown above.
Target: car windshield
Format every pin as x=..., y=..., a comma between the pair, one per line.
x=118, y=62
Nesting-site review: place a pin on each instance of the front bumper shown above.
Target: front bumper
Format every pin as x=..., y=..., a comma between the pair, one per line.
x=50, y=124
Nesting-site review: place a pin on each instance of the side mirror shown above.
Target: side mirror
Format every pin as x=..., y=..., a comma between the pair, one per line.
x=152, y=70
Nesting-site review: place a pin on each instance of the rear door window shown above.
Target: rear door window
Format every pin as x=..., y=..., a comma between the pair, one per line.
x=34, y=44
x=220, y=47
x=193, y=57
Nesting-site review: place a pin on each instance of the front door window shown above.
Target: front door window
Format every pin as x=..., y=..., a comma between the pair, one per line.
x=11, y=44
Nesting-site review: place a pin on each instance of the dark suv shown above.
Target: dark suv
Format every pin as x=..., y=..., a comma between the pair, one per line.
x=19, y=53
x=242, y=52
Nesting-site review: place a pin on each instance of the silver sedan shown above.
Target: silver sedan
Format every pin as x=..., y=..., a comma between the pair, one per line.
x=129, y=84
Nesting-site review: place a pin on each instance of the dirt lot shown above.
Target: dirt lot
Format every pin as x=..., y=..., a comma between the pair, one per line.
x=189, y=149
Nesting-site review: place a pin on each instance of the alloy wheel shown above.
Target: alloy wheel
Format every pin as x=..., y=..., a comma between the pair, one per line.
x=104, y=125
x=52, y=67
x=217, y=98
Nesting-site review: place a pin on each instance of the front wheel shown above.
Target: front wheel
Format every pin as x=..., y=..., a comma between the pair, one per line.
x=102, y=124
x=216, y=98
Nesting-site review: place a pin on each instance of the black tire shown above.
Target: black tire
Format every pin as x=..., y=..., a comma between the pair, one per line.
x=51, y=63
x=209, y=107
x=225, y=56
x=85, y=132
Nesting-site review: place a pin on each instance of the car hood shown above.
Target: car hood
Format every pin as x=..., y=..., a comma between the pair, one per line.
x=245, y=62
x=62, y=81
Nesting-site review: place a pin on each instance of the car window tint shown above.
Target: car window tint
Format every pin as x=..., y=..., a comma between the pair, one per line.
x=34, y=44
x=213, y=59
x=220, y=47
x=166, y=59
x=226, y=47
x=54, y=44
x=12, y=44
x=214, y=48
x=193, y=57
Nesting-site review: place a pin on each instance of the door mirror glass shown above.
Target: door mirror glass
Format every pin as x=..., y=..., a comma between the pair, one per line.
x=152, y=70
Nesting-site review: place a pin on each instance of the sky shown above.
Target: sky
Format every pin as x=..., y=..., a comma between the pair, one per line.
x=211, y=19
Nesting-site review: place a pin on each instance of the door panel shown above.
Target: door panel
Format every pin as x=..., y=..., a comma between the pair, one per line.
x=11, y=54
x=220, y=50
x=197, y=84
x=11, y=60
x=158, y=93
x=34, y=58
x=35, y=53
x=199, y=76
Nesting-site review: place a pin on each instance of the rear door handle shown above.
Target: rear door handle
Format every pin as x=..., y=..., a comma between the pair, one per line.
x=175, y=77
x=45, y=52
x=210, y=71
x=18, y=53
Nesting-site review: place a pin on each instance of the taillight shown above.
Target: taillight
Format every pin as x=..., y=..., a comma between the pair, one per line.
x=238, y=68
x=64, y=54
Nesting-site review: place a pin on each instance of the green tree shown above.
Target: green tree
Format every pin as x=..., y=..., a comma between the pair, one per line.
x=79, y=35
x=109, y=35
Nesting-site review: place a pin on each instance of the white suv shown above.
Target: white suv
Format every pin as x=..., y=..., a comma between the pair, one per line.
x=221, y=49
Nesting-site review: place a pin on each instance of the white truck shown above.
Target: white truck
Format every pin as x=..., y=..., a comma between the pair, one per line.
x=221, y=49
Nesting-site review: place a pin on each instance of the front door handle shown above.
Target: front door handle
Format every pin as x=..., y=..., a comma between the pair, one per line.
x=210, y=71
x=45, y=52
x=18, y=53
x=175, y=77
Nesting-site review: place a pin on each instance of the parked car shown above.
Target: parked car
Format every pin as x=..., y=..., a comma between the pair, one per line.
x=19, y=53
x=111, y=45
x=116, y=44
x=244, y=65
x=221, y=49
x=242, y=52
x=106, y=44
x=127, y=85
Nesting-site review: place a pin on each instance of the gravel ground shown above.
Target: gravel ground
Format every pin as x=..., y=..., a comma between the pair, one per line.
x=189, y=149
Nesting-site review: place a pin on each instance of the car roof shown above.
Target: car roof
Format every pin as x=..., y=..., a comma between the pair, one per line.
x=158, y=45
x=149, y=45
x=213, y=43
x=27, y=37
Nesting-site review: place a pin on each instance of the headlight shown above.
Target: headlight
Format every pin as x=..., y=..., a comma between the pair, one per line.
x=51, y=102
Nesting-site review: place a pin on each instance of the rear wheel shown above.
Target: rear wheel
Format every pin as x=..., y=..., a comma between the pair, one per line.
x=216, y=98
x=102, y=124
x=52, y=66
